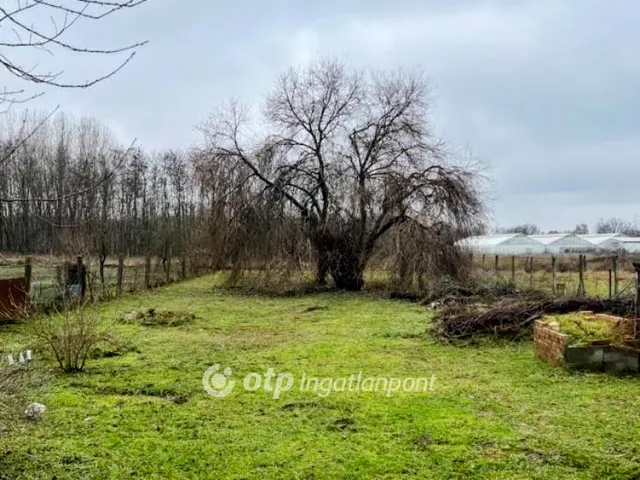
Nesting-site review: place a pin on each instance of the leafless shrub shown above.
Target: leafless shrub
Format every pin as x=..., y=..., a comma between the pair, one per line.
x=418, y=255
x=70, y=336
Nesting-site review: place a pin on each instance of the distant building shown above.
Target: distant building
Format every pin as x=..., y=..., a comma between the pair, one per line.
x=563, y=243
x=629, y=244
x=605, y=241
x=612, y=242
x=550, y=244
x=507, y=244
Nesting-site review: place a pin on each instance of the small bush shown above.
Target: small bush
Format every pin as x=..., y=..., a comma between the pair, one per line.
x=70, y=336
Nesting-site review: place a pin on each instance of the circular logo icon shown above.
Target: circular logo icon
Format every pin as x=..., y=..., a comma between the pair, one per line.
x=216, y=382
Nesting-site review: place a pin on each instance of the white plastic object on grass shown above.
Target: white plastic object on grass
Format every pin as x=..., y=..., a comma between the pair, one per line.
x=35, y=411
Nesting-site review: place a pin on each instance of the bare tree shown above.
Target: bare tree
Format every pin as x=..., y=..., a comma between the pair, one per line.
x=41, y=208
x=618, y=225
x=581, y=229
x=525, y=229
x=32, y=26
x=352, y=155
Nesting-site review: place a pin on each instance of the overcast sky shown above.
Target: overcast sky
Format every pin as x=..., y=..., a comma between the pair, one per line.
x=545, y=93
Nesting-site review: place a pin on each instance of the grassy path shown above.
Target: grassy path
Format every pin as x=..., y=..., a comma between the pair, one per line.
x=495, y=413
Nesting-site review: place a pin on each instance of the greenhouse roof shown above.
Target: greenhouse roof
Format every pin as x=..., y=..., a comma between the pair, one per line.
x=599, y=238
x=491, y=240
x=550, y=238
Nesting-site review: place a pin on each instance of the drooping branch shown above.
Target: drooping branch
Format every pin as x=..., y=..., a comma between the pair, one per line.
x=354, y=154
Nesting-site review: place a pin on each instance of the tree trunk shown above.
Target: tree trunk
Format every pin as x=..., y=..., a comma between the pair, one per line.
x=322, y=268
x=342, y=257
x=103, y=259
x=347, y=271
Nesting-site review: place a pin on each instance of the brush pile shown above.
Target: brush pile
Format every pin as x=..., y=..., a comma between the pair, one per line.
x=451, y=293
x=513, y=319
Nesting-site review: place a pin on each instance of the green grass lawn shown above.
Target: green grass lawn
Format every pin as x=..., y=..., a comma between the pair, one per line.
x=495, y=412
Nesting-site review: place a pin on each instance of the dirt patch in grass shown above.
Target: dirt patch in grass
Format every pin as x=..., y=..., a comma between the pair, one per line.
x=299, y=405
x=114, y=347
x=158, y=318
x=143, y=391
x=423, y=442
x=404, y=335
x=342, y=424
x=315, y=308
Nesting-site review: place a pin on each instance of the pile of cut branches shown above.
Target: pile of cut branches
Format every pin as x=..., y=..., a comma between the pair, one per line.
x=513, y=319
x=448, y=293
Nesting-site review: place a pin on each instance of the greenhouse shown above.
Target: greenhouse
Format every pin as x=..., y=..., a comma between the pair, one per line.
x=608, y=241
x=508, y=244
x=563, y=243
x=549, y=244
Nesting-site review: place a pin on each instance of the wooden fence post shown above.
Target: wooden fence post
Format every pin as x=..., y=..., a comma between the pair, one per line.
x=636, y=266
x=614, y=262
x=513, y=269
x=610, y=285
x=581, y=289
x=147, y=272
x=554, y=286
x=120, y=277
x=27, y=274
x=183, y=267
x=60, y=280
x=168, y=272
x=497, y=265
x=82, y=277
x=530, y=272
x=483, y=259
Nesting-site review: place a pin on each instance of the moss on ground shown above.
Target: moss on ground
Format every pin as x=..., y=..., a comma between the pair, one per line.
x=583, y=328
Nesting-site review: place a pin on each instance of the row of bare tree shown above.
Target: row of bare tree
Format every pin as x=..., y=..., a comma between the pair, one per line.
x=338, y=166
x=604, y=226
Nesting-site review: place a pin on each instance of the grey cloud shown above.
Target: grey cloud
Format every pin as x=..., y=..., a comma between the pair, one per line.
x=544, y=92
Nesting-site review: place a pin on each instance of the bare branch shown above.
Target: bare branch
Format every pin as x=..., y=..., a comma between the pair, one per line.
x=33, y=34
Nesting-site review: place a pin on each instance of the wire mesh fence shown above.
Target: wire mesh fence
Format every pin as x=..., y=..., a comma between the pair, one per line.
x=51, y=279
x=567, y=275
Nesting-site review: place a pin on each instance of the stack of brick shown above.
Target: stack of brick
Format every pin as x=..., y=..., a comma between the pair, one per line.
x=553, y=346
x=550, y=343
